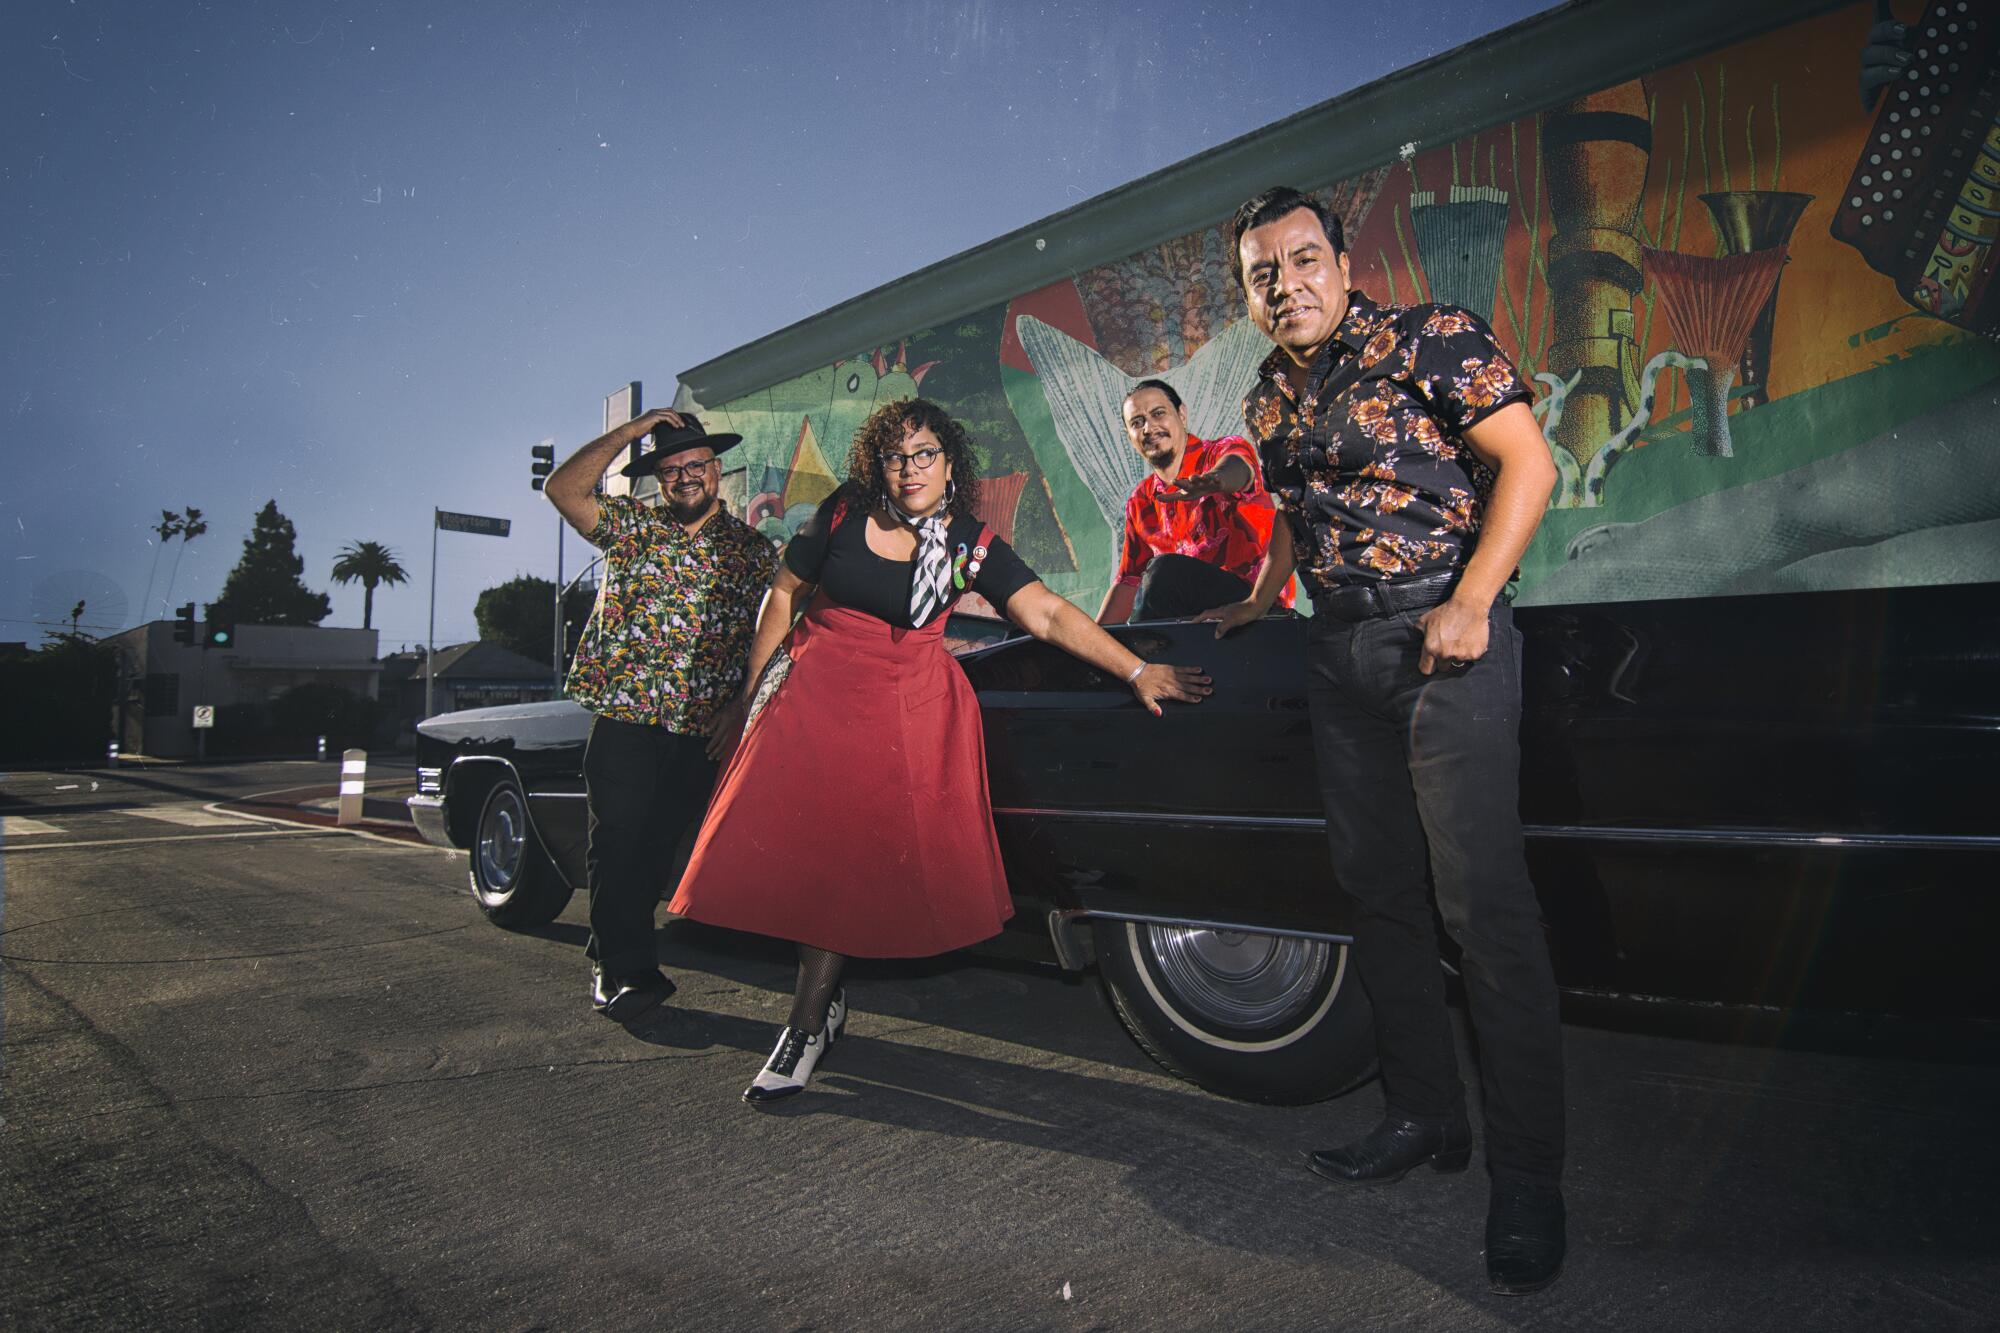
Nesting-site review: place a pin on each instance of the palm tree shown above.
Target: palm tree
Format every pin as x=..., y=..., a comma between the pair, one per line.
x=191, y=526
x=371, y=563
x=169, y=527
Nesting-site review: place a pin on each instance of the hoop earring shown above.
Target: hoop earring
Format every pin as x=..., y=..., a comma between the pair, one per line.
x=950, y=492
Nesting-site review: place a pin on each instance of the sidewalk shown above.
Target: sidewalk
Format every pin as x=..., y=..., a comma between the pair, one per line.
x=382, y=809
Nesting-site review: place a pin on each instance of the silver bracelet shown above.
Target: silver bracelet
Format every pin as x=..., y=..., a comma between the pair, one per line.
x=1143, y=664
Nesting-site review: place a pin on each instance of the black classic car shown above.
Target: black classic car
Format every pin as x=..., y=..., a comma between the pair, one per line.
x=1780, y=804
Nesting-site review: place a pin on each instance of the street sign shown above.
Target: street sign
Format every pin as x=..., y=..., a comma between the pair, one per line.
x=204, y=716
x=485, y=527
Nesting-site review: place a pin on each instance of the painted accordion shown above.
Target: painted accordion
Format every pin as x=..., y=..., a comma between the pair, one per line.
x=1923, y=205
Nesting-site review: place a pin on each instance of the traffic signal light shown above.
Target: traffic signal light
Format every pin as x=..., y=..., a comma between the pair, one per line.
x=184, y=625
x=219, y=630
x=545, y=462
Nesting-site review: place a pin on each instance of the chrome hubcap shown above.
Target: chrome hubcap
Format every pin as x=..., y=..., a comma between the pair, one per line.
x=503, y=842
x=1236, y=978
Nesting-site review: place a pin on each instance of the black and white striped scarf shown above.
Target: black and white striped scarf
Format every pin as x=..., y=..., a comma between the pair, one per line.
x=930, y=584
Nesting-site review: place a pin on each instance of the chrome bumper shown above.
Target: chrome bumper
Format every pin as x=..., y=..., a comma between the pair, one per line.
x=427, y=813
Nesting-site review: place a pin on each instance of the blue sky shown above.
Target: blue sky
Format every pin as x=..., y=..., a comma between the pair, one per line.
x=359, y=257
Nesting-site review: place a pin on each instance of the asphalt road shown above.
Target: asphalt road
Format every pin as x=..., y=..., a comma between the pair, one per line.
x=263, y=1075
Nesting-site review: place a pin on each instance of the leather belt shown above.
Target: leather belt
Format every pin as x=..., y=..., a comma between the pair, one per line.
x=1360, y=601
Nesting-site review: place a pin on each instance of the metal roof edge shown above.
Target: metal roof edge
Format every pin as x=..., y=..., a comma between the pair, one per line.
x=1577, y=47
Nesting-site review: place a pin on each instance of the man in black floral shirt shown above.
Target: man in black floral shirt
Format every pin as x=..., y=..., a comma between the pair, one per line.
x=1399, y=443
x=661, y=665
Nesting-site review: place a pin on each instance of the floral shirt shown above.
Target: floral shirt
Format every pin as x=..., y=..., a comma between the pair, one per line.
x=1370, y=464
x=670, y=638
x=1227, y=531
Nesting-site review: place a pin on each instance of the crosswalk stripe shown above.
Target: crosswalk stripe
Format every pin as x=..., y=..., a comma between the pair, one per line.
x=266, y=831
x=187, y=816
x=20, y=826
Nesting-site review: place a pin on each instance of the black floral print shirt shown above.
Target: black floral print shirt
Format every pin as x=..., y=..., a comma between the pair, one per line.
x=669, y=641
x=1370, y=464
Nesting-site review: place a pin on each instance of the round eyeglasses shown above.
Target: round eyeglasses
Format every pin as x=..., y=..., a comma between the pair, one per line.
x=921, y=460
x=669, y=475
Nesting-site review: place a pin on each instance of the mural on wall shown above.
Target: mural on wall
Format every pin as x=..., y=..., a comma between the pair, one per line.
x=1760, y=314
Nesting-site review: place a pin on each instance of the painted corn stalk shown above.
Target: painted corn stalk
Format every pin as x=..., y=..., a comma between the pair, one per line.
x=1460, y=243
x=1711, y=304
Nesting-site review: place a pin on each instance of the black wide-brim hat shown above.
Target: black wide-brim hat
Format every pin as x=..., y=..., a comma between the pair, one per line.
x=668, y=440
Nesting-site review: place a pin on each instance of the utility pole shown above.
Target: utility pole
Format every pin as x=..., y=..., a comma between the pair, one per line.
x=430, y=637
x=544, y=455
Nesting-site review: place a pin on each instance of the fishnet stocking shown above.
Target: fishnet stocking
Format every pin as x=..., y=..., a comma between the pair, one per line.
x=819, y=977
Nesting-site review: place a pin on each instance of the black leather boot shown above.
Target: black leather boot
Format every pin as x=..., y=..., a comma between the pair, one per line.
x=1525, y=1236
x=1393, y=1149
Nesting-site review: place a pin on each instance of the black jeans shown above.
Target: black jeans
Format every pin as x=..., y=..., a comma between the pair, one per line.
x=646, y=785
x=1175, y=587
x=1417, y=769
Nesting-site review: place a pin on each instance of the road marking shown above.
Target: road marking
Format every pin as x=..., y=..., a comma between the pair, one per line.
x=187, y=816
x=268, y=832
x=20, y=826
x=407, y=844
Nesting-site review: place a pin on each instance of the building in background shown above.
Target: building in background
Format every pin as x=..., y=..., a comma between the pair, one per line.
x=162, y=681
x=480, y=674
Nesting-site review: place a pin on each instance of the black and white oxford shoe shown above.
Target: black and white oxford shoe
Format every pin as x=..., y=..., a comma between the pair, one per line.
x=790, y=1065
x=836, y=1016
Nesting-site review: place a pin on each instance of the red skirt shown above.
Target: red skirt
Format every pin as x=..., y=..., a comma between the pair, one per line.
x=854, y=815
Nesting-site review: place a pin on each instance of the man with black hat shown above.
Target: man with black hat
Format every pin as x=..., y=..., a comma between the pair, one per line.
x=661, y=665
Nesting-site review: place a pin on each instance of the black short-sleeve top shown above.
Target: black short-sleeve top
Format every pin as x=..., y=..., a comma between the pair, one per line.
x=837, y=558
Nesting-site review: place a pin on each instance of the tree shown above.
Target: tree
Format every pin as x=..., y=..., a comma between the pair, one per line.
x=169, y=527
x=518, y=615
x=186, y=525
x=56, y=703
x=264, y=588
x=192, y=526
x=371, y=563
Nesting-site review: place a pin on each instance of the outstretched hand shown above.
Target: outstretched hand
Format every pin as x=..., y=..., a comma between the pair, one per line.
x=1195, y=487
x=1160, y=680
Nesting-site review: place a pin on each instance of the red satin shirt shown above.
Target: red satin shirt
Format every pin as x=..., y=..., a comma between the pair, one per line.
x=1228, y=531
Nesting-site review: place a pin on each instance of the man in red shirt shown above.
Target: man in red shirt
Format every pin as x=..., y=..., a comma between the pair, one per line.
x=1196, y=529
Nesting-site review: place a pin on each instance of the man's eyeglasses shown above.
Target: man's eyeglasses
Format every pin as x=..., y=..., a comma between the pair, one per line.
x=921, y=460
x=669, y=475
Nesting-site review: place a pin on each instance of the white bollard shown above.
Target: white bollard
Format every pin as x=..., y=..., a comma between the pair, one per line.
x=353, y=781
x=111, y=755
x=322, y=749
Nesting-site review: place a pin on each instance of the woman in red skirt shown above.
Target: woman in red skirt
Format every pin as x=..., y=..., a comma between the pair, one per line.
x=853, y=816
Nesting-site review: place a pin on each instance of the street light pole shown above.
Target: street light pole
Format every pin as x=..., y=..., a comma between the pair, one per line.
x=430, y=641
x=544, y=455
x=556, y=658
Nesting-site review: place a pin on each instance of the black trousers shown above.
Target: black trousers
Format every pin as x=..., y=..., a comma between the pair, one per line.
x=646, y=785
x=1175, y=587
x=1419, y=770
